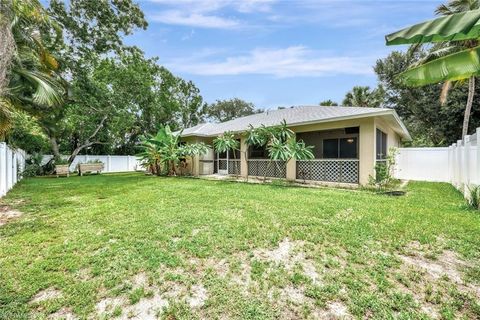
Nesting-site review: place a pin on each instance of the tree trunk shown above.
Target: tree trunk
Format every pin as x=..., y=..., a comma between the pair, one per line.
x=172, y=165
x=74, y=154
x=55, y=149
x=87, y=142
x=468, y=108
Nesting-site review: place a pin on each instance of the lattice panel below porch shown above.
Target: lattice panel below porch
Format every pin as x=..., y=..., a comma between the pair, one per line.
x=276, y=169
x=345, y=171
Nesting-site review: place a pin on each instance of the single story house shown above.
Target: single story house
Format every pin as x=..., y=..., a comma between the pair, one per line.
x=347, y=143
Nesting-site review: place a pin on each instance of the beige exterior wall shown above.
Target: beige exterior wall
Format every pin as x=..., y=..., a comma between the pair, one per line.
x=366, y=145
x=393, y=139
x=243, y=157
x=198, y=166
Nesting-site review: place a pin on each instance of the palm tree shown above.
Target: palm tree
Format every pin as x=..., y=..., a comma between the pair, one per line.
x=452, y=7
x=454, y=55
x=280, y=143
x=361, y=96
x=31, y=80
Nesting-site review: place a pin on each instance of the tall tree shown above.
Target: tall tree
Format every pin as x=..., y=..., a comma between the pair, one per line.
x=328, y=103
x=93, y=30
x=225, y=110
x=29, y=78
x=190, y=108
x=361, y=96
x=430, y=122
x=456, y=6
x=454, y=57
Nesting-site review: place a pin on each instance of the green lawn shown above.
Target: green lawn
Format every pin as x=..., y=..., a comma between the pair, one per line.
x=131, y=245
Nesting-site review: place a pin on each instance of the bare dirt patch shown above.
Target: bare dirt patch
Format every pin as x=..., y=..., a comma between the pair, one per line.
x=8, y=214
x=153, y=304
x=63, y=314
x=198, y=296
x=140, y=280
x=289, y=253
x=447, y=264
x=47, y=294
x=430, y=274
x=108, y=305
x=334, y=310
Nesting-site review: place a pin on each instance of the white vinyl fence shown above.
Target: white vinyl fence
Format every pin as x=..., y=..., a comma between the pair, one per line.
x=458, y=164
x=12, y=164
x=111, y=163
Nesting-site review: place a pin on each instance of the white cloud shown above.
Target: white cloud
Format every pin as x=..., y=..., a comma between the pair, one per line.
x=214, y=5
x=205, y=13
x=194, y=19
x=254, y=5
x=292, y=61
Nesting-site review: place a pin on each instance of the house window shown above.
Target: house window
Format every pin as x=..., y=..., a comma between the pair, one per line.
x=348, y=148
x=257, y=152
x=330, y=148
x=381, y=145
x=344, y=148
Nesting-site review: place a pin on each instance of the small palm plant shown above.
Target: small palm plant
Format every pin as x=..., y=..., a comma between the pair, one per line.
x=280, y=143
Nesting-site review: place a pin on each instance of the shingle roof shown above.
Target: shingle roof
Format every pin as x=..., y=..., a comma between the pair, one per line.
x=293, y=116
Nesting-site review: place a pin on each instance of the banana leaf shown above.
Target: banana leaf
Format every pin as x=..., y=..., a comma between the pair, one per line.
x=457, y=66
x=454, y=27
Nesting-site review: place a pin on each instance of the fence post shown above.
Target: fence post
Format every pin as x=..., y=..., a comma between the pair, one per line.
x=8, y=163
x=459, y=165
x=128, y=163
x=455, y=165
x=14, y=168
x=109, y=162
x=478, y=155
x=466, y=161
x=3, y=169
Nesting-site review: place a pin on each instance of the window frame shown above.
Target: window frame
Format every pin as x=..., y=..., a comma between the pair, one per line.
x=381, y=142
x=339, y=149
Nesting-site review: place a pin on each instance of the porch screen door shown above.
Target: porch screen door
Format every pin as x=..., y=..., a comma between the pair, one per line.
x=222, y=164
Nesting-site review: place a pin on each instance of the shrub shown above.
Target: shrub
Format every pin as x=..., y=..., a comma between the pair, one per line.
x=32, y=170
x=384, y=179
x=33, y=166
x=474, y=197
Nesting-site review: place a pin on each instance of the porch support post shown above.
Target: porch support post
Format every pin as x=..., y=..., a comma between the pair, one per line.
x=243, y=157
x=291, y=173
x=366, y=150
x=196, y=169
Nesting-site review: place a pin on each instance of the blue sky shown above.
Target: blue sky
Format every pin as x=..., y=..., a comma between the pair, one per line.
x=275, y=52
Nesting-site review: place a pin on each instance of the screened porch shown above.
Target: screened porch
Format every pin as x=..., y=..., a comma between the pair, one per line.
x=336, y=156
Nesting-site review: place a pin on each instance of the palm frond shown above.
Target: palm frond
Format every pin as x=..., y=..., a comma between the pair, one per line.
x=48, y=91
x=454, y=27
x=6, y=116
x=457, y=66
